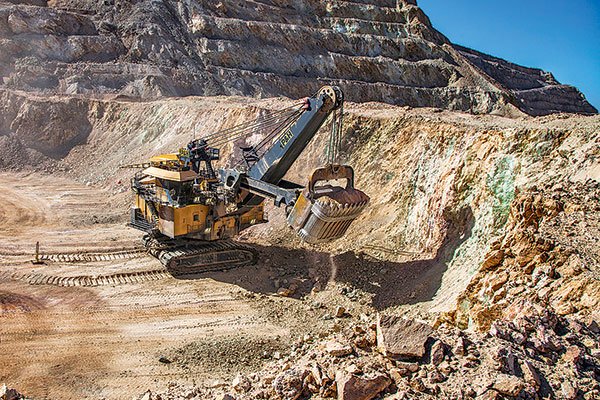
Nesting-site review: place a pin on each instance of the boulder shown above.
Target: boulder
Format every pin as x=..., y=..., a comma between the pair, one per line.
x=593, y=326
x=508, y=385
x=573, y=267
x=530, y=375
x=489, y=395
x=436, y=376
x=338, y=349
x=401, y=338
x=145, y=396
x=409, y=366
x=569, y=390
x=417, y=385
x=9, y=394
x=546, y=341
x=285, y=292
x=573, y=355
x=289, y=385
x=492, y=260
x=317, y=375
x=352, y=387
x=241, y=384
x=505, y=360
x=461, y=346
x=437, y=353
x=397, y=375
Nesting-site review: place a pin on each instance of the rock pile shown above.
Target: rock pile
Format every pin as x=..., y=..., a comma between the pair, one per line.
x=383, y=51
x=534, y=356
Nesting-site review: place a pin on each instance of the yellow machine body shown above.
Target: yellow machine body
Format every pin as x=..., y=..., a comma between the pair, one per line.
x=199, y=221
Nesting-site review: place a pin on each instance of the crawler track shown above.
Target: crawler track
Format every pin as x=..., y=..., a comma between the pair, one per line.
x=185, y=257
x=180, y=259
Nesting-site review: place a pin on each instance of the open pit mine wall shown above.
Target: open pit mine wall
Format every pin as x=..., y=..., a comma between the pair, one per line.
x=383, y=50
x=441, y=183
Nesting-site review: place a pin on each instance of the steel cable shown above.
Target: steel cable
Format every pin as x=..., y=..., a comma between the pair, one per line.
x=333, y=150
x=271, y=135
x=246, y=126
x=265, y=124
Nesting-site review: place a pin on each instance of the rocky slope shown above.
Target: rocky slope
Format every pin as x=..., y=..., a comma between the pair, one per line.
x=383, y=51
x=552, y=357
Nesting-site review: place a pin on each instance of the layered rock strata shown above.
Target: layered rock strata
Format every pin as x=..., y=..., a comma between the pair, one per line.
x=383, y=51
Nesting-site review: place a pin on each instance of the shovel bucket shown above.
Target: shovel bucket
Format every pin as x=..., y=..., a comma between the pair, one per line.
x=324, y=213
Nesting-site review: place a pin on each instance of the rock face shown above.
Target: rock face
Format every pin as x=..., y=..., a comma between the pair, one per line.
x=383, y=51
x=536, y=92
x=549, y=252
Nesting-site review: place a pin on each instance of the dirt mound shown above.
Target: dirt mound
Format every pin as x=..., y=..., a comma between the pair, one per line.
x=228, y=355
x=376, y=51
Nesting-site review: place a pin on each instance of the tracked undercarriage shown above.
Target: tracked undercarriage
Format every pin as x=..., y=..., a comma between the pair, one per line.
x=183, y=256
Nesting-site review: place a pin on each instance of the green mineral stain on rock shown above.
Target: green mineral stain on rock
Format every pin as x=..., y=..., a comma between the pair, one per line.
x=501, y=182
x=150, y=134
x=388, y=176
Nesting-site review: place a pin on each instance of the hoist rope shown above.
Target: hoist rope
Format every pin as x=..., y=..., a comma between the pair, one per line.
x=335, y=137
x=273, y=133
x=292, y=118
x=263, y=125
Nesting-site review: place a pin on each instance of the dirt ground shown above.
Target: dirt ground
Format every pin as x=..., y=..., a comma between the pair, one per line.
x=106, y=341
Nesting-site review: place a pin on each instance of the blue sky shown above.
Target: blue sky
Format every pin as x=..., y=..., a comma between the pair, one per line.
x=559, y=36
